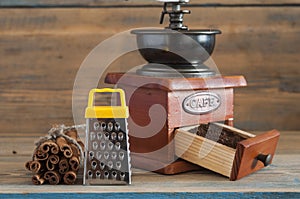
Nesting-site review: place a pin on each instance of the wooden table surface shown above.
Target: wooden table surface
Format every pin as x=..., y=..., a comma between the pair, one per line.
x=281, y=179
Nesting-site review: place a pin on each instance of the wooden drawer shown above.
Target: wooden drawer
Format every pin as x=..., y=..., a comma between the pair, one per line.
x=250, y=155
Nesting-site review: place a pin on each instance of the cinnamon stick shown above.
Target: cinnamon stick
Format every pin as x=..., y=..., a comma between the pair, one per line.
x=63, y=166
x=74, y=163
x=40, y=155
x=52, y=177
x=51, y=162
x=37, y=180
x=50, y=166
x=71, y=133
x=34, y=166
x=54, y=159
x=64, y=147
x=54, y=148
x=49, y=146
x=75, y=150
x=70, y=177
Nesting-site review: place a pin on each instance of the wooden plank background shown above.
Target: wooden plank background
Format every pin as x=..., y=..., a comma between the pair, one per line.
x=43, y=43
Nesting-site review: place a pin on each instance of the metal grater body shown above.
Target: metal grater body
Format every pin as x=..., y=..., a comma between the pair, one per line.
x=107, y=152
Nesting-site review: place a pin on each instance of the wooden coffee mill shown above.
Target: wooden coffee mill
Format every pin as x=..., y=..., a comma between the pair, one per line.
x=178, y=80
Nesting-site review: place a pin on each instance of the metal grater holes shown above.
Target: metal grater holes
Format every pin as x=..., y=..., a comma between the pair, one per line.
x=96, y=126
x=106, y=155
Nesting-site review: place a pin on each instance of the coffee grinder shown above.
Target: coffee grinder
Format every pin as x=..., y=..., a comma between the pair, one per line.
x=177, y=88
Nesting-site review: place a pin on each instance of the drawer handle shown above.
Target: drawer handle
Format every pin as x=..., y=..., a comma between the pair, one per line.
x=266, y=159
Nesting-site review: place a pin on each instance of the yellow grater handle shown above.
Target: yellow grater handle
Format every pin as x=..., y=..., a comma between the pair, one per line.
x=106, y=90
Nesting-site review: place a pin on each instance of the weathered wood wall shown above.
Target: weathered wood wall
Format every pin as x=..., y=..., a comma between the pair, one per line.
x=43, y=43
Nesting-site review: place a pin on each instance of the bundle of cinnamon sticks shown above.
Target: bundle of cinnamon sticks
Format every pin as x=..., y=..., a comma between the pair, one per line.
x=56, y=159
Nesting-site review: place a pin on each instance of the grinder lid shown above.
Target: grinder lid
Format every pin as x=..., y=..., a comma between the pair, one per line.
x=168, y=31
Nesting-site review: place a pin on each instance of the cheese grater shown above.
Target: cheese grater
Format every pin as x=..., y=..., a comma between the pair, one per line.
x=107, y=159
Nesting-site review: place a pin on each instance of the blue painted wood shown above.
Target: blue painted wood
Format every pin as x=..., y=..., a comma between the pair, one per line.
x=182, y=195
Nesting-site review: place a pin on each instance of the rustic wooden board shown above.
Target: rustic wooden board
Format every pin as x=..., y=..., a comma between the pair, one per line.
x=282, y=177
x=42, y=49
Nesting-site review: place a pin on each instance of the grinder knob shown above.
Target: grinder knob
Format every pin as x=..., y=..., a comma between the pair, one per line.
x=175, y=13
x=266, y=159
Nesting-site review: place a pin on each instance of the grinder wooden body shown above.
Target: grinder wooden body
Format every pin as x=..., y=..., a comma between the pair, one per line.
x=187, y=101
